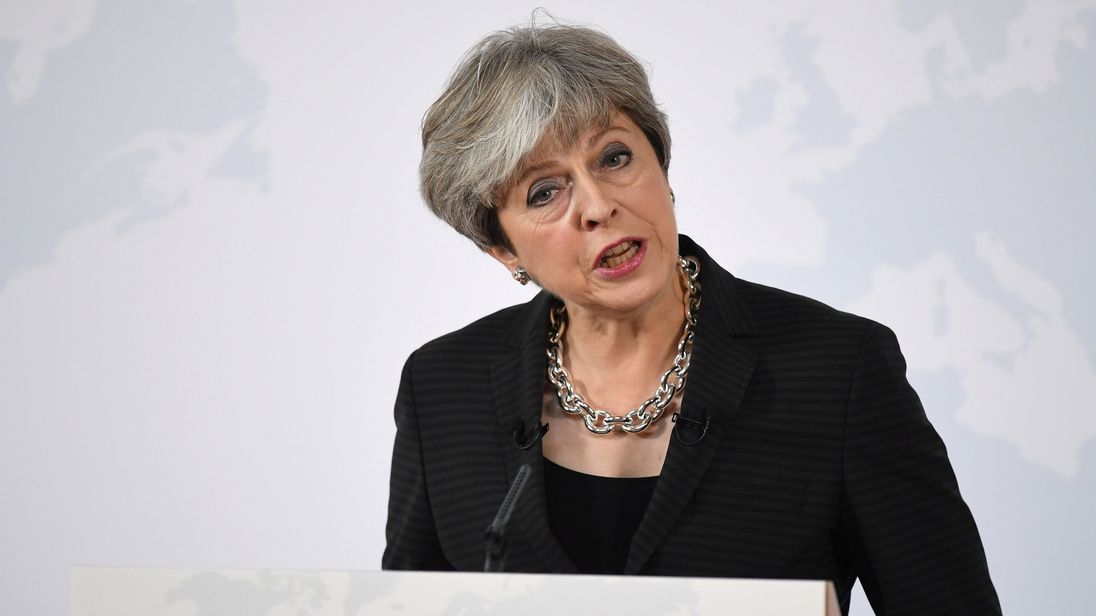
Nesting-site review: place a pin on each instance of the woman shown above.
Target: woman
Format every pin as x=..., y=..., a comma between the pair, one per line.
x=699, y=424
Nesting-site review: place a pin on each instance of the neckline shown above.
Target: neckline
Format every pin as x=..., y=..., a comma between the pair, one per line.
x=589, y=477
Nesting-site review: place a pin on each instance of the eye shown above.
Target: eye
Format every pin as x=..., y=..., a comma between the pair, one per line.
x=543, y=193
x=616, y=157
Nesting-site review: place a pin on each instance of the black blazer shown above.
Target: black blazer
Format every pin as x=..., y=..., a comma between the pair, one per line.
x=817, y=461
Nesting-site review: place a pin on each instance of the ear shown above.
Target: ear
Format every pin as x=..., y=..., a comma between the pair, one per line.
x=503, y=255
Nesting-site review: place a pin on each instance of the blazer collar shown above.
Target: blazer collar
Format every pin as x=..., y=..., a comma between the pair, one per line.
x=719, y=372
x=517, y=379
x=718, y=286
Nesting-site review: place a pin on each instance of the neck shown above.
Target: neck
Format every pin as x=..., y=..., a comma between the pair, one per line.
x=613, y=351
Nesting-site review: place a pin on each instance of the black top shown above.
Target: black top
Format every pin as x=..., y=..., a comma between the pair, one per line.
x=594, y=518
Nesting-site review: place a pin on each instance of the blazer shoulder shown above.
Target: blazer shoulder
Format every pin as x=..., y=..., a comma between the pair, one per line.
x=486, y=336
x=777, y=311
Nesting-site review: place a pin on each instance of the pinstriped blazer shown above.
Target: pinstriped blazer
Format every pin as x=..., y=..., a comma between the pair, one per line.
x=817, y=461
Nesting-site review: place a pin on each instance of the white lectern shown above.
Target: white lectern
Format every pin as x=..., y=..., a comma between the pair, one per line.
x=107, y=591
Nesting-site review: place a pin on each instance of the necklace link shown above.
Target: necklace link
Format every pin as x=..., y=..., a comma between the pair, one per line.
x=601, y=421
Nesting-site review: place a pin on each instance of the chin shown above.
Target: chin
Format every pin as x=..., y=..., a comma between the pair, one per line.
x=645, y=293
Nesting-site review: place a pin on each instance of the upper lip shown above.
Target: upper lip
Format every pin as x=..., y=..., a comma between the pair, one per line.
x=605, y=249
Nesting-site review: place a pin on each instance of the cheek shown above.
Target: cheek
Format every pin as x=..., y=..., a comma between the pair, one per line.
x=661, y=213
x=666, y=228
x=537, y=226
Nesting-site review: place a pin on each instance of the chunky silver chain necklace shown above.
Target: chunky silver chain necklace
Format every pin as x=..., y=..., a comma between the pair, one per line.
x=601, y=421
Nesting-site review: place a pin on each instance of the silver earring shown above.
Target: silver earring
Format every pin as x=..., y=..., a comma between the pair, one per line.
x=521, y=276
x=673, y=199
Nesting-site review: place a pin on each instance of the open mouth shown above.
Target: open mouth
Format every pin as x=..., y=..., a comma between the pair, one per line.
x=619, y=254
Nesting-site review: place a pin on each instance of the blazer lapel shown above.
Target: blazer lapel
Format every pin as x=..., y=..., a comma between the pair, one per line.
x=719, y=373
x=518, y=382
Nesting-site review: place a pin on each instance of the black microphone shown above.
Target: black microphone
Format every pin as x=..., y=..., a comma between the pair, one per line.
x=530, y=438
x=496, y=532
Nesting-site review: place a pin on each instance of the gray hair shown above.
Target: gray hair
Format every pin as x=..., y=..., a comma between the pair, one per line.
x=511, y=90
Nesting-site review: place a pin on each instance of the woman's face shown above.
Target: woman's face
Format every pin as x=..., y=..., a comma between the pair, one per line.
x=594, y=224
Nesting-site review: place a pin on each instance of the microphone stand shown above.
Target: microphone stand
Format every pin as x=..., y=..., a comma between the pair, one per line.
x=496, y=531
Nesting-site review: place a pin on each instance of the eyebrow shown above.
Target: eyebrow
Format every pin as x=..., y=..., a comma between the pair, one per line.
x=531, y=169
x=593, y=138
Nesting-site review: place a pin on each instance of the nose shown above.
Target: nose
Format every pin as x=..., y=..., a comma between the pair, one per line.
x=596, y=205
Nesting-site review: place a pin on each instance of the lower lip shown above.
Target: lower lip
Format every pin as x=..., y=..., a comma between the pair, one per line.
x=627, y=267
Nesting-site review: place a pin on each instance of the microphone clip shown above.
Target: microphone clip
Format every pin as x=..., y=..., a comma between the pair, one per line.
x=690, y=424
x=530, y=438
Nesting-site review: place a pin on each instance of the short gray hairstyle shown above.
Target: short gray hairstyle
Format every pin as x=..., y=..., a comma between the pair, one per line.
x=511, y=90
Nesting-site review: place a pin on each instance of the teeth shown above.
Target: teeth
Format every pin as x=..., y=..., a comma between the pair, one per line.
x=619, y=248
x=620, y=254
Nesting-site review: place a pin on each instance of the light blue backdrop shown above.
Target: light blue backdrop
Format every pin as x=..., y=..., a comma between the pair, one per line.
x=213, y=258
